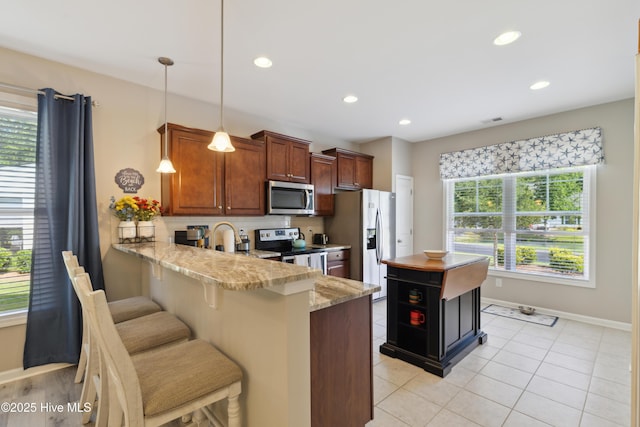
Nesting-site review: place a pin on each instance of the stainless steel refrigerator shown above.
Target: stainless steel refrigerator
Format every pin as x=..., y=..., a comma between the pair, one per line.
x=366, y=220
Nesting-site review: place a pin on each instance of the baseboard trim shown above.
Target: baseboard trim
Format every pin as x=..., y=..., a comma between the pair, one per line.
x=564, y=315
x=19, y=373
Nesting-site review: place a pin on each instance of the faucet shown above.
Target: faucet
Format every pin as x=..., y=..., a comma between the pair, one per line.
x=227, y=223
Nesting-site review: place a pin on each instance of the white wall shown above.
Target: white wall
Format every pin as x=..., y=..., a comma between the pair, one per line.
x=611, y=299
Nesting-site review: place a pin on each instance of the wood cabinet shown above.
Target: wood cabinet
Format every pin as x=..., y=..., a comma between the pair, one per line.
x=341, y=364
x=287, y=157
x=209, y=183
x=244, y=178
x=323, y=178
x=433, y=312
x=354, y=170
x=338, y=264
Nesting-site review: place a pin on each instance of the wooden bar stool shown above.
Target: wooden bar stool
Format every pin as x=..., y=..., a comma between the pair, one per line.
x=156, y=387
x=121, y=310
x=138, y=335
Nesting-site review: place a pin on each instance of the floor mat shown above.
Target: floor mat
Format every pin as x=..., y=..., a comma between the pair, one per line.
x=514, y=313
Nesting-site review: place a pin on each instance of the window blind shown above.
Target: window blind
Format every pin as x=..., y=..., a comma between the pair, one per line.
x=18, y=130
x=535, y=223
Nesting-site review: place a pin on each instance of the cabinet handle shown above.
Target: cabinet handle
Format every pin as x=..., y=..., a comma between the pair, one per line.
x=220, y=207
x=399, y=241
x=228, y=207
x=337, y=255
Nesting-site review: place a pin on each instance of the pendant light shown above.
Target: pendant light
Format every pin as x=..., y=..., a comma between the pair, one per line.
x=221, y=141
x=165, y=164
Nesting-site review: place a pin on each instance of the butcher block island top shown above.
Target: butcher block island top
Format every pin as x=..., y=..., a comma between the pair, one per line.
x=423, y=263
x=456, y=280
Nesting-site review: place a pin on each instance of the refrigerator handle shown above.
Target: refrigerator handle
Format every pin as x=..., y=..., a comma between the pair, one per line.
x=379, y=236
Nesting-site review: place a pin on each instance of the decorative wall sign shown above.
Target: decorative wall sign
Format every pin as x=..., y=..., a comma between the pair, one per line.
x=129, y=180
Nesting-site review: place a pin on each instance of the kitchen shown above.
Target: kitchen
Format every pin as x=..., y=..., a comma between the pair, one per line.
x=131, y=132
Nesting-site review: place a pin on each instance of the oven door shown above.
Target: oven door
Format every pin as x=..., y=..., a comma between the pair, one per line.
x=314, y=260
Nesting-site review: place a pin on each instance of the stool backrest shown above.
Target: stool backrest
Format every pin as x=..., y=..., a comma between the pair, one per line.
x=122, y=377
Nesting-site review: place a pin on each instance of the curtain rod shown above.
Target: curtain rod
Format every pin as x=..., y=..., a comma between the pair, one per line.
x=39, y=92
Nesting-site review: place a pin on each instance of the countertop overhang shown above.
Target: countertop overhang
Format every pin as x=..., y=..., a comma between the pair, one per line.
x=238, y=272
x=228, y=270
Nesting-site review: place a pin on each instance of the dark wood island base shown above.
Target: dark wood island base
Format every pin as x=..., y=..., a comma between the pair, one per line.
x=433, y=310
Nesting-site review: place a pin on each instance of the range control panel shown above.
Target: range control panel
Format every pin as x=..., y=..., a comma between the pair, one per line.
x=275, y=234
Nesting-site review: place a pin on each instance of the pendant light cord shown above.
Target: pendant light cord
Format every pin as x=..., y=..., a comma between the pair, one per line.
x=166, y=135
x=221, y=60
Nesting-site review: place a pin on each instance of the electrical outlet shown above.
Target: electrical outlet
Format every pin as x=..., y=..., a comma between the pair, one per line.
x=498, y=283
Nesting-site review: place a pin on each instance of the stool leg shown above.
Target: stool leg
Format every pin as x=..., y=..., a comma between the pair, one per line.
x=233, y=411
x=101, y=383
x=82, y=365
x=89, y=391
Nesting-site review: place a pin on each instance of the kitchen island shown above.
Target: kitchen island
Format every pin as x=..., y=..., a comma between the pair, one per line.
x=263, y=314
x=433, y=309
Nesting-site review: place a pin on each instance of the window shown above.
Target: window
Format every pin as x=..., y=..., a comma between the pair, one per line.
x=534, y=223
x=18, y=127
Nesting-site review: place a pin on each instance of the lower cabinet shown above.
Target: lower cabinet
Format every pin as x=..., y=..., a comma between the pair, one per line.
x=338, y=264
x=341, y=364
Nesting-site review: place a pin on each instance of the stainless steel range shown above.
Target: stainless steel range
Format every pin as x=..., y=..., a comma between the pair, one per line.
x=281, y=240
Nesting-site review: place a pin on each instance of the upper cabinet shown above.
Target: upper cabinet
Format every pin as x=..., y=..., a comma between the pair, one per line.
x=209, y=183
x=323, y=178
x=287, y=157
x=354, y=170
x=244, y=177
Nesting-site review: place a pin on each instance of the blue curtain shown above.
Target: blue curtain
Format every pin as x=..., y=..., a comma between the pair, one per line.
x=65, y=218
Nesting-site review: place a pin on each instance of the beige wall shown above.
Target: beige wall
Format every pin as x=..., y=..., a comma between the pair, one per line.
x=611, y=299
x=125, y=136
x=392, y=156
x=124, y=129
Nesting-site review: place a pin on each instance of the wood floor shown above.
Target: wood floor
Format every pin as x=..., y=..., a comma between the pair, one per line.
x=47, y=400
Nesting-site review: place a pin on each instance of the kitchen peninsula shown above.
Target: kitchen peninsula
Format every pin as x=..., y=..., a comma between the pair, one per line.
x=433, y=309
x=280, y=322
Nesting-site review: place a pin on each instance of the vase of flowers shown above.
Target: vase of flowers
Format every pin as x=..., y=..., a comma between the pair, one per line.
x=147, y=210
x=125, y=210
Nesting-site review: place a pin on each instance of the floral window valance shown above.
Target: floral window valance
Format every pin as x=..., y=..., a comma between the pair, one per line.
x=577, y=148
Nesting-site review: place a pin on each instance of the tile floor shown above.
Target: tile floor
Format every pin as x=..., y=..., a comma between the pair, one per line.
x=571, y=374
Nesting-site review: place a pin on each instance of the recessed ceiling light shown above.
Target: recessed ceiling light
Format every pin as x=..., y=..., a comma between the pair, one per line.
x=507, y=38
x=404, y=122
x=263, y=62
x=539, y=85
x=350, y=99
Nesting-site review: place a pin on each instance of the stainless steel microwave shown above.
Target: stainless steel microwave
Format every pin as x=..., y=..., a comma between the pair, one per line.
x=289, y=198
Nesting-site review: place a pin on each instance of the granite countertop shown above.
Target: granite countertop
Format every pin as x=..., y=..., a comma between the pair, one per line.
x=242, y=271
x=331, y=247
x=227, y=270
x=329, y=291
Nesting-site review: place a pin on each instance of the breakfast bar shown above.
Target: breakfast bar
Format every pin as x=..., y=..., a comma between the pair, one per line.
x=433, y=309
x=280, y=322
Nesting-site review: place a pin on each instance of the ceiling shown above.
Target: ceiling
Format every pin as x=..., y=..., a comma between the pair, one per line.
x=432, y=62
